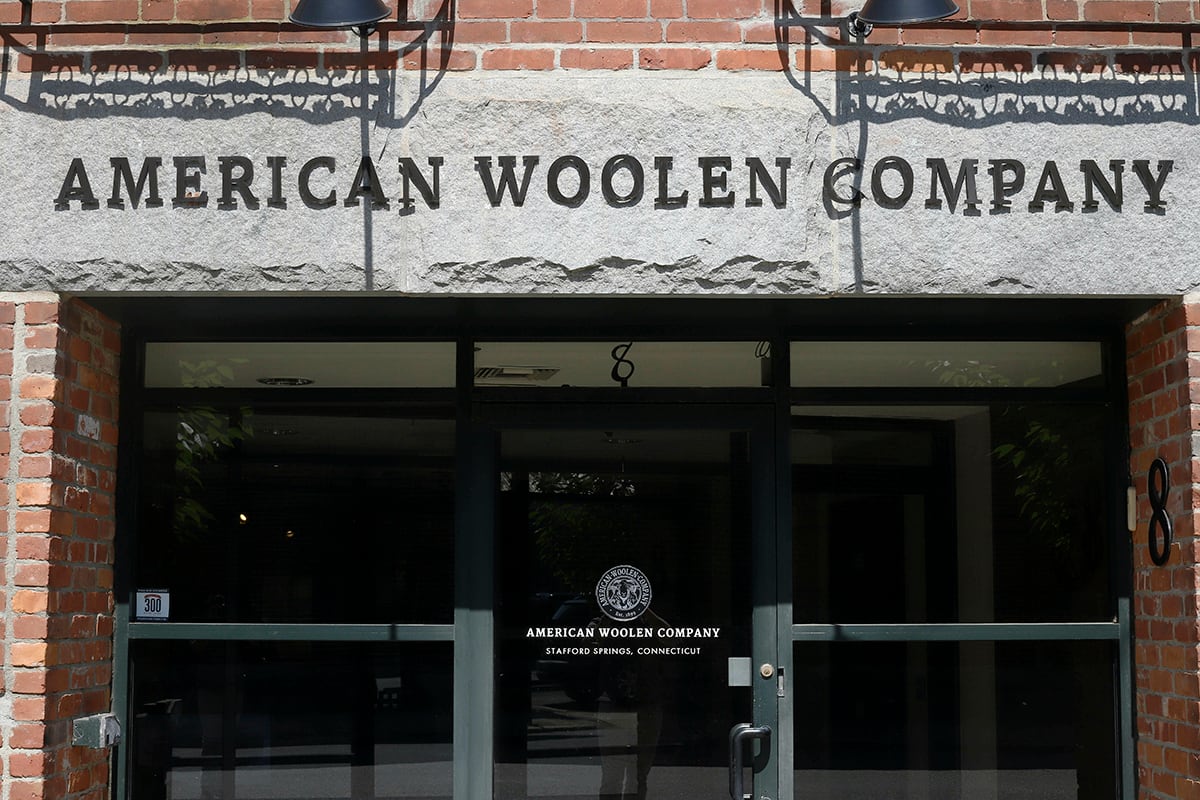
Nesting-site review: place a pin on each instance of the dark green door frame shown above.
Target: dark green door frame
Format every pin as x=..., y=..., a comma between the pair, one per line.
x=774, y=632
x=474, y=626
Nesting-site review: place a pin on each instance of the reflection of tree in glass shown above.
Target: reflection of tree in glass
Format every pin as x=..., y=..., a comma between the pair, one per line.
x=967, y=373
x=580, y=523
x=1047, y=454
x=978, y=374
x=202, y=434
x=1041, y=462
x=1053, y=461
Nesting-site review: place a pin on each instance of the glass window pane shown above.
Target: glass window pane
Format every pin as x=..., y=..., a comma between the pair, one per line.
x=255, y=515
x=622, y=691
x=327, y=365
x=297, y=720
x=946, y=720
x=990, y=513
x=645, y=364
x=949, y=365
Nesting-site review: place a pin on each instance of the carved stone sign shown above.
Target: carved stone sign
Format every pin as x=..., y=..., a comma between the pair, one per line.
x=622, y=182
x=736, y=184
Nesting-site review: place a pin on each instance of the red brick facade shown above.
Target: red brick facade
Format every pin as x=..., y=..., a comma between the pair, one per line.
x=541, y=35
x=1164, y=386
x=59, y=394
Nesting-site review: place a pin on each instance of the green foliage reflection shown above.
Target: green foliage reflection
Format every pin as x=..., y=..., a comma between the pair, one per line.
x=580, y=521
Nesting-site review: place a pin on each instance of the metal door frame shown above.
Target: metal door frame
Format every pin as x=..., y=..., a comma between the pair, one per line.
x=475, y=485
x=474, y=704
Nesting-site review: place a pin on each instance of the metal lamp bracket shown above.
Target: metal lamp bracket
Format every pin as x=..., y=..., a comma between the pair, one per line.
x=857, y=27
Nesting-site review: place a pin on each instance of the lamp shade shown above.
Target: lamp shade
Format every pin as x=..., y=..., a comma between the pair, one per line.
x=339, y=13
x=905, y=12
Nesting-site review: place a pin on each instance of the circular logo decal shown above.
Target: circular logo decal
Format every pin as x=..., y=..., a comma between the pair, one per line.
x=623, y=593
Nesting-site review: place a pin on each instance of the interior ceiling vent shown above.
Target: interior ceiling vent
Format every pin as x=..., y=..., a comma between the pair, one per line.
x=519, y=374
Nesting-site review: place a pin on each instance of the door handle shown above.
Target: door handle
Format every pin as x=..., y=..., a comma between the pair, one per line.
x=738, y=736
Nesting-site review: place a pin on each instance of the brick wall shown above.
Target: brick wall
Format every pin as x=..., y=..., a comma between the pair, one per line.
x=58, y=393
x=1164, y=414
x=458, y=35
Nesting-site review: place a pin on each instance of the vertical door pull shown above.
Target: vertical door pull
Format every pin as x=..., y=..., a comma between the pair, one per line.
x=738, y=736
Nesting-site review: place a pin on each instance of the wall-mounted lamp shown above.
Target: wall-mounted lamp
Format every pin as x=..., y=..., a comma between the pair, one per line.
x=897, y=12
x=359, y=15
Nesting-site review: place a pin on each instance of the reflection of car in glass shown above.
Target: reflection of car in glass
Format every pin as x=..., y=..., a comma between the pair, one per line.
x=584, y=678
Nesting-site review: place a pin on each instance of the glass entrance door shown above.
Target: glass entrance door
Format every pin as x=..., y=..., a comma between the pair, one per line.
x=635, y=611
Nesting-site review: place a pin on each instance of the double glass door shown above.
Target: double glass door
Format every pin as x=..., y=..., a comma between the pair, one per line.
x=684, y=608
x=635, y=606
